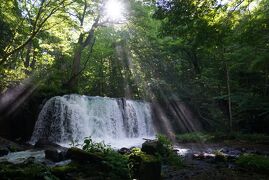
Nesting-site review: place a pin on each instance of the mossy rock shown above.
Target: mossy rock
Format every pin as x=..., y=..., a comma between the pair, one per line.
x=76, y=170
x=3, y=151
x=79, y=155
x=144, y=166
x=150, y=147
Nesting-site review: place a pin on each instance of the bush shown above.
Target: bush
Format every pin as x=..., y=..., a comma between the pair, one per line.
x=118, y=163
x=255, y=138
x=166, y=152
x=194, y=137
x=199, y=137
x=254, y=162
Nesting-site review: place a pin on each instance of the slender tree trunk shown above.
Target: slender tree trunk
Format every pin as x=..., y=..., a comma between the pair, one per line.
x=27, y=57
x=229, y=97
x=101, y=78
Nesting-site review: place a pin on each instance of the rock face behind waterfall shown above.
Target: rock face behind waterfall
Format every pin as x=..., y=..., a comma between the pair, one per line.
x=74, y=117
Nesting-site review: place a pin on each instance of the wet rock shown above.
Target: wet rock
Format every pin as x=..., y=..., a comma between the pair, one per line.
x=150, y=147
x=45, y=144
x=54, y=155
x=201, y=156
x=3, y=151
x=79, y=155
x=220, y=157
x=12, y=146
x=22, y=156
x=231, y=151
x=124, y=151
x=29, y=160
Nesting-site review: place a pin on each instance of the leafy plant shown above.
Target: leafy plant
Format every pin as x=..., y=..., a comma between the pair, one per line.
x=90, y=146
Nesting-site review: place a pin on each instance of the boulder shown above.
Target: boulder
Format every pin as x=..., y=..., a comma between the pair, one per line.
x=79, y=155
x=45, y=144
x=124, y=151
x=150, y=147
x=144, y=166
x=54, y=155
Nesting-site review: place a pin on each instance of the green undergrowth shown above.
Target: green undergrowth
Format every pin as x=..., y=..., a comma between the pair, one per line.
x=137, y=161
x=254, y=162
x=118, y=163
x=194, y=137
x=202, y=137
x=166, y=152
x=25, y=171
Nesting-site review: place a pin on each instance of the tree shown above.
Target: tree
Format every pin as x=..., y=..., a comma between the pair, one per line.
x=36, y=13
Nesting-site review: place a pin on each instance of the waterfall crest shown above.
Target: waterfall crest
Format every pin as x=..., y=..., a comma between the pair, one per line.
x=73, y=117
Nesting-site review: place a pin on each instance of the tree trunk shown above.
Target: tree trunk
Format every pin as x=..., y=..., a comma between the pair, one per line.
x=73, y=82
x=229, y=97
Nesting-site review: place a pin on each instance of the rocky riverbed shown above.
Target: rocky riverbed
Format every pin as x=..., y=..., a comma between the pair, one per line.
x=216, y=161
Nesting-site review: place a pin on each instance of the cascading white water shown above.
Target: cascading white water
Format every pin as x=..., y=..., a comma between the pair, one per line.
x=118, y=122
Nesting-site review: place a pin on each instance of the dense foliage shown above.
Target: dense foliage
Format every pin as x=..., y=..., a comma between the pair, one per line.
x=211, y=54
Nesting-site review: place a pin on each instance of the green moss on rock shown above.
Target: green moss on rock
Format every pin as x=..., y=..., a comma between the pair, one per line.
x=27, y=171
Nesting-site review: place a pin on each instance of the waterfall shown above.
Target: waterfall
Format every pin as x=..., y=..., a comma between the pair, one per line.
x=118, y=122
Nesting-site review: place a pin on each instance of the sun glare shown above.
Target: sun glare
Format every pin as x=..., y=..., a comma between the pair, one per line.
x=114, y=10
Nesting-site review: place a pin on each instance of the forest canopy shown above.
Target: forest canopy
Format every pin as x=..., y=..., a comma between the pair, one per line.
x=211, y=54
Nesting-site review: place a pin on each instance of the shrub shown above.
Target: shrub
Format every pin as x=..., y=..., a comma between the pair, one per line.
x=194, y=137
x=166, y=152
x=254, y=162
x=119, y=164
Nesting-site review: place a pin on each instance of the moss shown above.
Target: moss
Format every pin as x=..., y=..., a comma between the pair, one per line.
x=113, y=167
x=118, y=164
x=25, y=171
x=64, y=169
x=144, y=157
x=144, y=166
